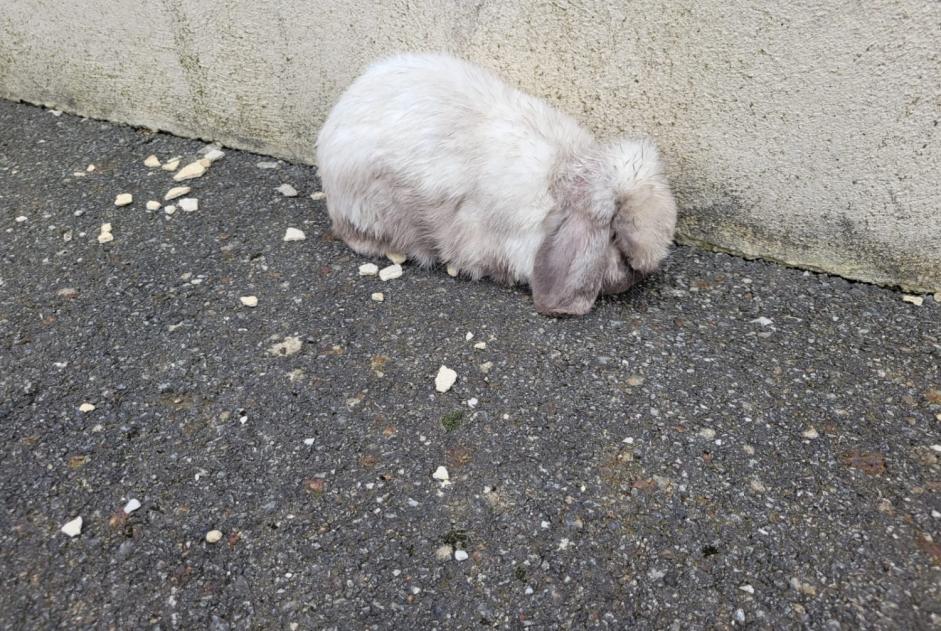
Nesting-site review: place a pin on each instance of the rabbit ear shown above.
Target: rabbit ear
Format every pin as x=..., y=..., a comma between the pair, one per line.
x=571, y=262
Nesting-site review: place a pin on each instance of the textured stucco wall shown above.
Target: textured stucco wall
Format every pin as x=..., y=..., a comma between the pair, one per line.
x=805, y=132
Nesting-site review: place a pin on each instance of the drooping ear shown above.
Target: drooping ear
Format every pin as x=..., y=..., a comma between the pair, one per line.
x=571, y=262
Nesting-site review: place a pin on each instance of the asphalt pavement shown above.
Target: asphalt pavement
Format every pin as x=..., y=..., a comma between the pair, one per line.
x=729, y=444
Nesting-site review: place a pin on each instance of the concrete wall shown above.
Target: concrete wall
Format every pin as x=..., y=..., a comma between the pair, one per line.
x=805, y=132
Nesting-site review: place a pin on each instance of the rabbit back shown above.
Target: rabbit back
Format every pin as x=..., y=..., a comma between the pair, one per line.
x=439, y=159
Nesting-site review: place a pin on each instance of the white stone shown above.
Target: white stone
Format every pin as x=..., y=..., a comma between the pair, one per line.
x=189, y=204
x=152, y=161
x=21, y=219
x=90, y=168
x=190, y=171
x=441, y=474
x=213, y=536
x=214, y=154
x=176, y=191
x=740, y=616
x=123, y=199
x=397, y=259
x=480, y=346
x=171, y=164
x=707, y=433
x=169, y=209
x=267, y=165
x=936, y=448
x=810, y=433
x=153, y=205
x=287, y=190
x=460, y=555
x=309, y=441
x=472, y=402
x=747, y=589
x=368, y=269
x=105, y=235
x=293, y=234
x=452, y=271
x=915, y=300
x=131, y=506
x=445, y=379
x=289, y=346
x=763, y=321
x=443, y=553
x=74, y=527
x=468, y=336
x=249, y=301
x=486, y=367
x=86, y=408
x=757, y=486
x=378, y=296
x=390, y=273
x=318, y=195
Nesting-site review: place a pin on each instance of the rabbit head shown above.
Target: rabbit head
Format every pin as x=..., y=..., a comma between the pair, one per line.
x=612, y=224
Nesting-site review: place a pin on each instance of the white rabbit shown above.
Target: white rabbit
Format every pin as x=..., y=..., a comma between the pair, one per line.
x=433, y=157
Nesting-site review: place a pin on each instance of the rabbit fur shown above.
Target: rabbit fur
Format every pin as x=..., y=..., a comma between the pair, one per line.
x=436, y=158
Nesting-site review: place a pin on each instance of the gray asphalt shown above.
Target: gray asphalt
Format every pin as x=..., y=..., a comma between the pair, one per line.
x=665, y=462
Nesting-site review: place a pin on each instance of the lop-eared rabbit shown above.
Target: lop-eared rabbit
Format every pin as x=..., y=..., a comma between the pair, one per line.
x=438, y=159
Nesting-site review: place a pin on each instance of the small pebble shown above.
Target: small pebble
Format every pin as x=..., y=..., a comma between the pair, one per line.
x=480, y=346
x=189, y=204
x=810, y=433
x=123, y=199
x=289, y=346
x=441, y=473
x=486, y=367
x=936, y=448
x=635, y=380
x=309, y=442
x=74, y=527
x=472, y=402
x=105, y=235
x=757, y=486
x=190, y=171
x=445, y=379
x=368, y=269
x=249, y=301
x=739, y=616
x=915, y=300
x=90, y=168
x=318, y=195
x=131, y=506
x=287, y=190
x=708, y=433
x=293, y=234
x=378, y=296
x=86, y=408
x=443, y=553
x=171, y=164
x=152, y=161
x=213, y=536
x=169, y=209
x=214, y=154
x=396, y=259
x=763, y=321
x=176, y=191
x=21, y=219
x=390, y=273
x=452, y=271
x=153, y=205
x=468, y=336
x=267, y=165
x=747, y=589
x=460, y=555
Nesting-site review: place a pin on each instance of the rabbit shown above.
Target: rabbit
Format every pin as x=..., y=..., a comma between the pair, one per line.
x=437, y=159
